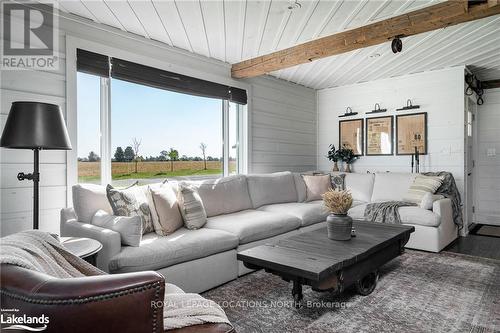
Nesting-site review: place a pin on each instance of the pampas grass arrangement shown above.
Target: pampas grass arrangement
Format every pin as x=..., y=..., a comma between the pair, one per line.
x=338, y=202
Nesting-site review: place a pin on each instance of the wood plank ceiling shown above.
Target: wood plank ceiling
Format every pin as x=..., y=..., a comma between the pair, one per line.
x=232, y=31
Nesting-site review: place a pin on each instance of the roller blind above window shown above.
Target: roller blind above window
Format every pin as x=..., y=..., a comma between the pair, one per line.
x=92, y=63
x=97, y=64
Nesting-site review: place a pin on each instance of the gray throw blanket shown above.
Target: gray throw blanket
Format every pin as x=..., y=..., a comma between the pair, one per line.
x=40, y=251
x=385, y=212
x=449, y=190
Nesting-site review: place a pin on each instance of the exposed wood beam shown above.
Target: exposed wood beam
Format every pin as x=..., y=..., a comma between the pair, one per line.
x=490, y=84
x=430, y=18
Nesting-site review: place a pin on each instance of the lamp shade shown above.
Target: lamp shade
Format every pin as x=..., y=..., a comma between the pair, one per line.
x=33, y=125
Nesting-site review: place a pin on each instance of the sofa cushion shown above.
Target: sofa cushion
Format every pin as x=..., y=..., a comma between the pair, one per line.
x=224, y=195
x=357, y=203
x=157, y=252
x=309, y=213
x=88, y=199
x=266, y=189
x=360, y=185
x=420, y=216
x=391, y=186
x=300, y=186
x=408, y=215
x=252, y=225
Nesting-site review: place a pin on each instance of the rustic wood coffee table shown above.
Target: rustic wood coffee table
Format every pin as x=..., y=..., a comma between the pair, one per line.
x=312, y=259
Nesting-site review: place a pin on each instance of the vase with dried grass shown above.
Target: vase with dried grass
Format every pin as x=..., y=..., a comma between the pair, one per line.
x=339, y=224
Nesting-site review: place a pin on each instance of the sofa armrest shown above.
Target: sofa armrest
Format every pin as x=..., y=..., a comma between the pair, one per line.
x=103, y=303
x=443, y=207
x=110, y=240
x=205, y=328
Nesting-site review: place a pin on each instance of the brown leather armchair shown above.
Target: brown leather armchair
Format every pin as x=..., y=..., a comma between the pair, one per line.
x=104, y=303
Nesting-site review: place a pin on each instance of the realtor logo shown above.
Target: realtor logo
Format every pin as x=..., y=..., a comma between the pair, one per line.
x=29, y=36
x=11, y=319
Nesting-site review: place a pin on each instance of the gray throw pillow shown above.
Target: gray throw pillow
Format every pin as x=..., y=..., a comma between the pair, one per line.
x=338, y=181
x=129, y=227
x=191, y=207
x=131, y=202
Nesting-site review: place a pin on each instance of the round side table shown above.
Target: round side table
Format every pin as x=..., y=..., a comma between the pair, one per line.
x=85, y=248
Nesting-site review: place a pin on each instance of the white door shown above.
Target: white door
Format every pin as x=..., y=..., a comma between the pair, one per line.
x=470, y=120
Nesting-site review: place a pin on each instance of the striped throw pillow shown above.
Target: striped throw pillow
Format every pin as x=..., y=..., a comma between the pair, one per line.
x=422, y=185
x=191, y=207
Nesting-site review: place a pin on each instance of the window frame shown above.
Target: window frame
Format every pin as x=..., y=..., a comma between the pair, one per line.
x=183, y=66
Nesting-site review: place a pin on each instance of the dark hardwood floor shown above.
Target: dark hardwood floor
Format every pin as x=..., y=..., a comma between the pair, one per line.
x=476, y=245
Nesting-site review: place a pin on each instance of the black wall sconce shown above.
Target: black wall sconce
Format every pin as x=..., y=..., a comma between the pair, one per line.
x=409, y=106
x=397, y=44
x=474, y=86
x=377, y=109
x=348, y=112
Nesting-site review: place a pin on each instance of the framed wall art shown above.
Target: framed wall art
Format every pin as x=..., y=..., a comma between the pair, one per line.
x=379, y=135
x=351, y=135
x=411, y=132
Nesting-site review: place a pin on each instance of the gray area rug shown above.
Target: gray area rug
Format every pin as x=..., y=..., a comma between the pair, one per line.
x=417, y=292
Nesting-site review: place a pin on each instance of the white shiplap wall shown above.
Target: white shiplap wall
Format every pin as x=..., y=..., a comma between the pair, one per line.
x=281, y=129
x=488, y=167
x=439, y=93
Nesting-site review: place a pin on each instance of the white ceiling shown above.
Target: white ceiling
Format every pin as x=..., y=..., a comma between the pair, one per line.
x=233, y=30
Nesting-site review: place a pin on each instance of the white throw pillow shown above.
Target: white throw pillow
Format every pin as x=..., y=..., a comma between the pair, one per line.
x=316, y=186
x=191, y=206
x=422, y=185
x=129, y=227
x=88, y=199
x=166, y=208
x=427, y=201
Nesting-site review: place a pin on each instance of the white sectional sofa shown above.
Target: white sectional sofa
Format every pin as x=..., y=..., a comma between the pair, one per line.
x=243, y=212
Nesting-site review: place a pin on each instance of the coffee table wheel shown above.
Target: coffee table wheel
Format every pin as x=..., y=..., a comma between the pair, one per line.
x=297, y=294
x=367, y=284
x=297, y=301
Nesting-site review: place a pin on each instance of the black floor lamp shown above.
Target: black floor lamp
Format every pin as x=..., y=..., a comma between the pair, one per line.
x=36, y=126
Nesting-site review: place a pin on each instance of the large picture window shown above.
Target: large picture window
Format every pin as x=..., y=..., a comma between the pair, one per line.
x=130, y=132
x=89, y=131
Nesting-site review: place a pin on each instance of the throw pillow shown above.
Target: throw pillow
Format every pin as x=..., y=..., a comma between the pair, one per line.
x=131, y=202
x=129, y=227
x=191, y=207
x=316, y=186
x=338, y=181
x=421, y=185
x=166, y=208
x=151, y=204
x=427, y=201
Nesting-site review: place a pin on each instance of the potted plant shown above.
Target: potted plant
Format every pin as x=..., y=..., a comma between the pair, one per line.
x=333, y=155
x=339, y=224
x=347, y=156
